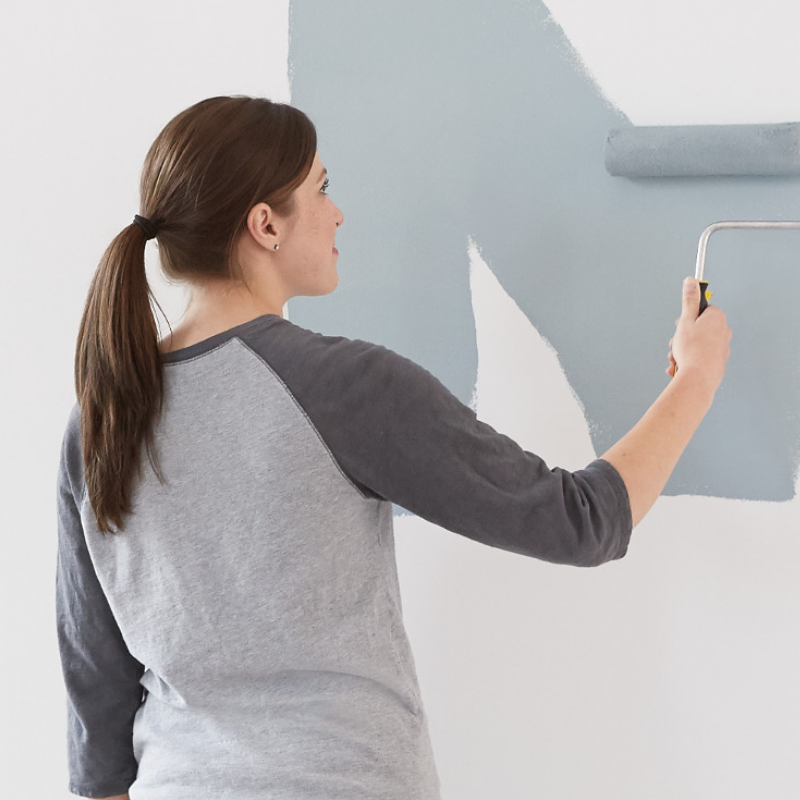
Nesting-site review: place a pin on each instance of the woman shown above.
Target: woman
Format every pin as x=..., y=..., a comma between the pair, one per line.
x=229, y=614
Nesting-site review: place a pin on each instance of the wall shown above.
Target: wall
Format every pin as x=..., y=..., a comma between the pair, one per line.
x=484, y=240
x=465, y=144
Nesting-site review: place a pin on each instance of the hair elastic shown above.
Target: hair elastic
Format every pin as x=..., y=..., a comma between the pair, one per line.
x=146, y=225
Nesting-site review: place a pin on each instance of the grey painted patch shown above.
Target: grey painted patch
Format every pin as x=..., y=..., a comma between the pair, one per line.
x=442, y=120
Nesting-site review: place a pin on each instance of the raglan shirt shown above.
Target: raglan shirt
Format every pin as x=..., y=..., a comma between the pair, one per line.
x=242, y=637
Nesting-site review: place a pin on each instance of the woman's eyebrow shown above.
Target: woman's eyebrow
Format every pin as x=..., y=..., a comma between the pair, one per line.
x=322, y=174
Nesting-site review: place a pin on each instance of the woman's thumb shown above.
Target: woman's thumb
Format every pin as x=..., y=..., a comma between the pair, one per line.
x=691, y=298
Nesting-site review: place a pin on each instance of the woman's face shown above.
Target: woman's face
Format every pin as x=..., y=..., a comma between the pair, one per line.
x=308, y=246
x=305, y=261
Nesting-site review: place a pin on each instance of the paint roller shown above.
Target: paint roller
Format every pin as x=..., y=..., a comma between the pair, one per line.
x=681, y=151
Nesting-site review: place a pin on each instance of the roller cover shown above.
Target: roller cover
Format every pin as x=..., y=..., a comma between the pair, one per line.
x=703, y=150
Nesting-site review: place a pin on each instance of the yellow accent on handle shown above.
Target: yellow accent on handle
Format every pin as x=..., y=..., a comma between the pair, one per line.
x=709, y=295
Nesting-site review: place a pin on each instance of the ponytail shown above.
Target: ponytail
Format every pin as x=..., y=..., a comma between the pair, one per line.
x=118, y=378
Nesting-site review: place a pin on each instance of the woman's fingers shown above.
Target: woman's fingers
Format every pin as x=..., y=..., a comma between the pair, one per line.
x=672, y=363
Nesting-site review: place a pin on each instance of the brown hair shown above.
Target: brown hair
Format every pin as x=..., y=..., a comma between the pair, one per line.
x=204, y=172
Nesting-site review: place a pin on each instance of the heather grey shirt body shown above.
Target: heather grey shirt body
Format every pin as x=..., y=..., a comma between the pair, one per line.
x=243, y=637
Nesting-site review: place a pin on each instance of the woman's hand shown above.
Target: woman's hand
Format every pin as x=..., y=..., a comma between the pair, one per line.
x=701, y=341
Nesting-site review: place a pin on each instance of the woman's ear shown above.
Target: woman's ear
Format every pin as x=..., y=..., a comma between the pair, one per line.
x=262, y=224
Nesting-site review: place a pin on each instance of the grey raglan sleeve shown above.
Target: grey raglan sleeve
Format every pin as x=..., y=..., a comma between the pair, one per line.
x=100, y=675
x=397, y=431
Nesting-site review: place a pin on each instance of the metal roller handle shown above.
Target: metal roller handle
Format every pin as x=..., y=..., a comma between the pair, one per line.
x=720, y=226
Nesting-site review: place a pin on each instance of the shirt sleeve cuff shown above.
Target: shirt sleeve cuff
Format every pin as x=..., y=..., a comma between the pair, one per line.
x=620, y=504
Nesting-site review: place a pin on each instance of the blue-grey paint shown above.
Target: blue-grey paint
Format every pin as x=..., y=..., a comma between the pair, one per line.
x=442, y=120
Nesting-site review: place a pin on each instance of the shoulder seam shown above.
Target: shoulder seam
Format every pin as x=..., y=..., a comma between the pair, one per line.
x=308, y=419
x=81, y=478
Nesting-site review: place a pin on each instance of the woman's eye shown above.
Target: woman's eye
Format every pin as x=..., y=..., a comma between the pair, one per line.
x=324, y=186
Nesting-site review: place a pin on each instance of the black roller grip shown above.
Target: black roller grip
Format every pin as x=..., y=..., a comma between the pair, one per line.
x=703, y=299
x=703, y=307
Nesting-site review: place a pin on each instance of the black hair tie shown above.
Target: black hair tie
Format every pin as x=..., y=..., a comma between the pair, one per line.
x=148, y=227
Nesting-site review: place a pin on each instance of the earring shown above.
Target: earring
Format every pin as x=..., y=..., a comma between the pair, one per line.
x=277, y=246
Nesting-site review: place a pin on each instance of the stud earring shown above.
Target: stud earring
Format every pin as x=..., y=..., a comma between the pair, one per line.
x=277, y=246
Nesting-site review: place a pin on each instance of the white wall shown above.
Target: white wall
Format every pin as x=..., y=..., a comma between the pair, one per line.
x=689, y=62
x=693, y=644
x=86, y=86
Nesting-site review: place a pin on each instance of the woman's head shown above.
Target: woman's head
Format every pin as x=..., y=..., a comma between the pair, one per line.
x=209, y=167
x=223, y=182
